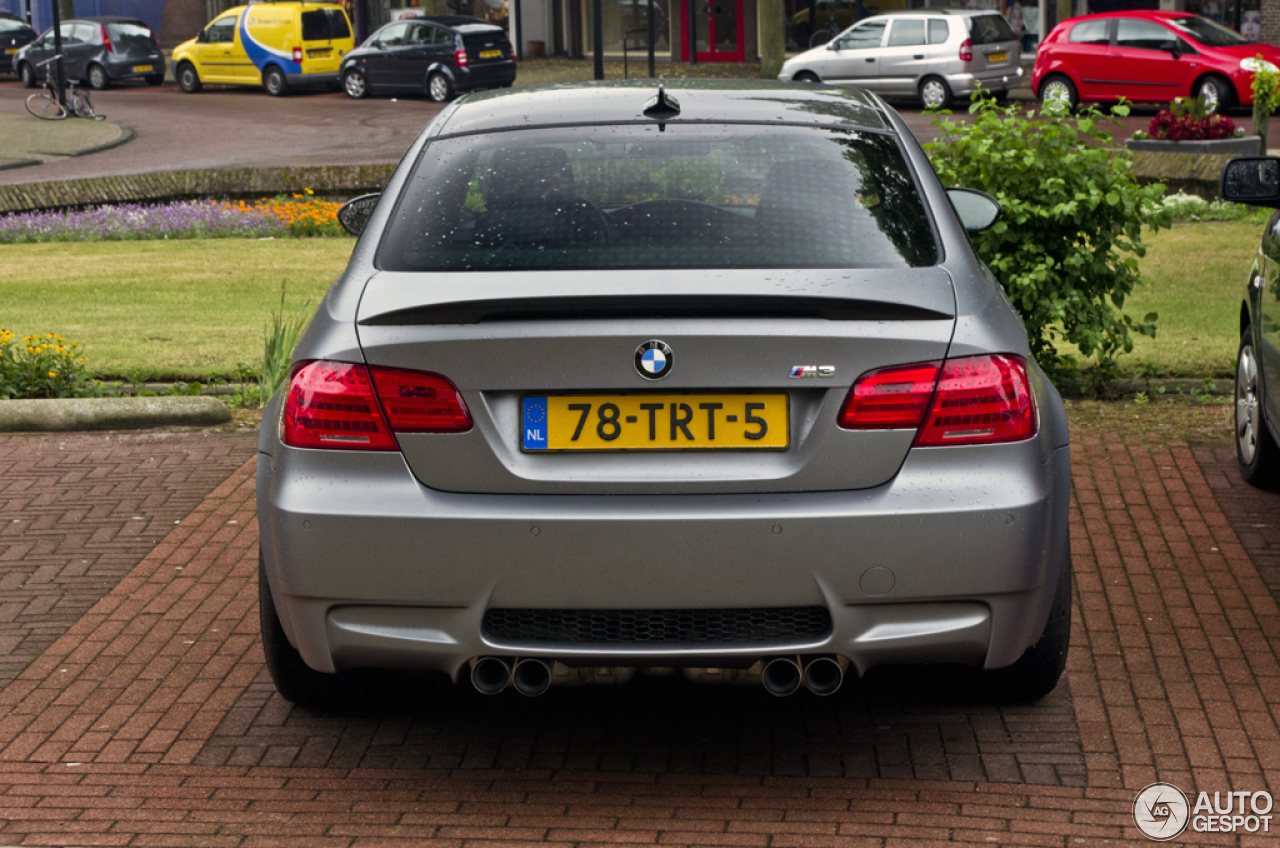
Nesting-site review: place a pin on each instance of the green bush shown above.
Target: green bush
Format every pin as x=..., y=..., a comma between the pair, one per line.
x=37, y=367
x=1066, y=248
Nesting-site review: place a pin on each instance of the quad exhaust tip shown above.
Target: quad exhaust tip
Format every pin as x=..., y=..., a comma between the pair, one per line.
x=490, y=675
x=823, y=676
x=781, y=677
x=531, y=677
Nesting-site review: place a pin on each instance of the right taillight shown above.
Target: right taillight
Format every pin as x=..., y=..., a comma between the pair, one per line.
x=966, y=50
x=347, y=406
x=970, y=401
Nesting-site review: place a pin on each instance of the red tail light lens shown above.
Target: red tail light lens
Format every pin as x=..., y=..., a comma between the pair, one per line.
x=340, y=405
x=332, y=405
x=460, y=58
x=980, y=400
x=417, y=402
x=971, y=401
x=106, y=39
x=297, y=54
x=890, y=399
x=966, y=50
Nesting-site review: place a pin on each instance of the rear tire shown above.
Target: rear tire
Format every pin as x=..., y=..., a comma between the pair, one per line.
x=188, y=79
x=935, y=93
x=1256, y=451
x=99, y=80
x=439, y=88
x=28, y=76
x=807, y=76
x=355, y=84
x=1037, y=672
x=274, y=82
x=154, y=79
x=1058, y=88
x=294, y=679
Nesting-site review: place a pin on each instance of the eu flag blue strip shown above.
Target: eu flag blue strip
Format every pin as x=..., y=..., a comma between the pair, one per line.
x=534, y=423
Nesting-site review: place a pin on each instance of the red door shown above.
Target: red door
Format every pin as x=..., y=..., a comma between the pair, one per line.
x=719, y=28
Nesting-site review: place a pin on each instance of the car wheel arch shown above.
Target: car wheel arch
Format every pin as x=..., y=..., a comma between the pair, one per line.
x=1232, y=94
x=1245, y=321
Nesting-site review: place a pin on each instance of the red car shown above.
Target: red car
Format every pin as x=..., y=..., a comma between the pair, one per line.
x=1147, y=56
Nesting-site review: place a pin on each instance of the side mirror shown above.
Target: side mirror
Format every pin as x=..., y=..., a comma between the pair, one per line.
x=355, y=213
x=1254, y=180
x=202, y=37
x=976, y=210
x=1172, y=47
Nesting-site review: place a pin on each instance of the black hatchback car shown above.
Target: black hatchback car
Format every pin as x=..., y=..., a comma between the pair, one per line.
x=14, y=34
x=441, y=55
x=97, y=51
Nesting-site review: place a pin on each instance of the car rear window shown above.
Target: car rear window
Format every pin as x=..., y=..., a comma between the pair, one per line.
x=131, y=35
x=989, y=29
x=9, y=26
x=324, y=25
x=477, y=41
x=1091, y=32
x=701, y=196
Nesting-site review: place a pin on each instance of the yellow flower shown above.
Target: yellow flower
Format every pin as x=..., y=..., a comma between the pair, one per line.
x=53, y=373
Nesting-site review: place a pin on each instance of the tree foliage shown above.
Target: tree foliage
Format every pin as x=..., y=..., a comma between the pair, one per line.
x=1066, y=248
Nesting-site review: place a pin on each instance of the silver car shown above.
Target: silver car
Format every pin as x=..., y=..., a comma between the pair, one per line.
x=705, y=381
x=934, y=55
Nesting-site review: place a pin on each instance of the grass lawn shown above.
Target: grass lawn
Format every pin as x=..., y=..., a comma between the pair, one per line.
x=193, y=309
x=1194, y=276
x=184, y=309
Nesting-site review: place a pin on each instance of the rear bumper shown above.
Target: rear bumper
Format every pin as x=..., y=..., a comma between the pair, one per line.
x=381, y=571
x=997, y=82
x=311, y=80
x=485, y=76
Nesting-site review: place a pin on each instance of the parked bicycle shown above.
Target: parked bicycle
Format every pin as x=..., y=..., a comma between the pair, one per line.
x=45, y=104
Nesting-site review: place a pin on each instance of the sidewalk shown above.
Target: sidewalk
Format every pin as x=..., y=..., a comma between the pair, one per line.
x=149, y=720
x=28, y=140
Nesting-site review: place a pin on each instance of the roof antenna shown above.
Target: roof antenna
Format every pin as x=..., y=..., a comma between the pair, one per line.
x=662, y=107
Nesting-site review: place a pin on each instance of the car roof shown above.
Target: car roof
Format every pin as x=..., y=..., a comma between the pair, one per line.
x=1149, y=14
x=113, y=19
x=928, y=13
x=700, y=101
x=454, y=20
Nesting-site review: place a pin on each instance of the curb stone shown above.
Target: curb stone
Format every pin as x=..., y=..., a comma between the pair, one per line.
x=126, y=134
x=111, y=413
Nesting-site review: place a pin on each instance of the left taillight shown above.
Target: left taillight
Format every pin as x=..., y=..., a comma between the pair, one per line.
x=345, y=406
x=297, y=54
x=460, y=58
x=969, y=401
x=966, y=50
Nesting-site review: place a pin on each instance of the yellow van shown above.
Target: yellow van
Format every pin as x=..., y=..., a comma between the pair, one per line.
x=278, y=46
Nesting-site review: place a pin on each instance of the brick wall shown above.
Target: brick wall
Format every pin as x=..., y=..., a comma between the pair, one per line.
x=1271, y=21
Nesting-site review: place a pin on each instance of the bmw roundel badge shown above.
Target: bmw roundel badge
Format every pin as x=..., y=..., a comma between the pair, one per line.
x=654, y=360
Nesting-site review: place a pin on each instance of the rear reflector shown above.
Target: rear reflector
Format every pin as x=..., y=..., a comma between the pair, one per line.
x=344, y=406
x=332, y=405
x=980, y=400
x=970, y=401
x=417, y=402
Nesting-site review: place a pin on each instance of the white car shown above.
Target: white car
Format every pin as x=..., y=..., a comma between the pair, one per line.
x=934, y=55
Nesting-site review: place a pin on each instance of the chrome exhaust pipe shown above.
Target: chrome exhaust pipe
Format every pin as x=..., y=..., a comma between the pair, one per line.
x=781, y=676
x=531, y=677
x=490, y=675
x=823, y=675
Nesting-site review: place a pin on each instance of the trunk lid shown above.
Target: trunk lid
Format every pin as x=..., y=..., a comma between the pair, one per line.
x=730, y=333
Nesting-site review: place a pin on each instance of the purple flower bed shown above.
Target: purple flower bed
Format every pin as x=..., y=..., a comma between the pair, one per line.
x=183, y=219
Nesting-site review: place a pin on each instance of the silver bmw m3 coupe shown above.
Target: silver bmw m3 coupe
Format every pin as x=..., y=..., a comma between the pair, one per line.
x=702, y=380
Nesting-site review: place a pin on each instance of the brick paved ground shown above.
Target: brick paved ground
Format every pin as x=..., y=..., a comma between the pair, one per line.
x=78, y=511
x=1173, y=675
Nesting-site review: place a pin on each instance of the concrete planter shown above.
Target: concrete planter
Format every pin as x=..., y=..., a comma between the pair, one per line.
x=1193, y=167
x=1247, y=146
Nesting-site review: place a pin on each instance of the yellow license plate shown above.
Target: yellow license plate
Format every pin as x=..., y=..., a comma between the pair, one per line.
x=142, y=69
x=324, y=51
x=654, y=422
x=490, y=54
x=9, y=51
x=997, y=57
